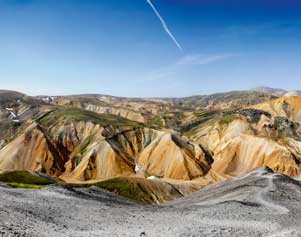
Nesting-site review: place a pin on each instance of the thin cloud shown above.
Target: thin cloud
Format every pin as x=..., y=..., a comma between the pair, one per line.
x=167, y=73
x=200, y=59
x=254, y=30
x=164, y=25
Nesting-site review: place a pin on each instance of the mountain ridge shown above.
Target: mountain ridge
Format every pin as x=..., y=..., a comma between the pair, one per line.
x=185, y=144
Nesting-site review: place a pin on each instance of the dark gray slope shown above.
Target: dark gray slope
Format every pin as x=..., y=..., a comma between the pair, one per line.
x=257, y=204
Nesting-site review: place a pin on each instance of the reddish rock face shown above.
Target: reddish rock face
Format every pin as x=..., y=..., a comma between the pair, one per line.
x=85, y=151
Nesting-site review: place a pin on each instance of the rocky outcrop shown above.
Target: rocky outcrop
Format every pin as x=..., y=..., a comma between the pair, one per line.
x=33, y=150
x=247, y=152
x=170, y=157
x=254, y=115
x=252, y=139
x=142, y=152
x=287, y=106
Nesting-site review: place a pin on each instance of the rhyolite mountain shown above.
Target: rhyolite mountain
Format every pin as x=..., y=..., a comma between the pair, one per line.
x=149, y=149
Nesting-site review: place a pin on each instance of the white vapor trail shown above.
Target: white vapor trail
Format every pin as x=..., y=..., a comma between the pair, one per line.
x=164, y=25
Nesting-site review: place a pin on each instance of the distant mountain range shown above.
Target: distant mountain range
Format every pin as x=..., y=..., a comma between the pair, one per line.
x=274, y=91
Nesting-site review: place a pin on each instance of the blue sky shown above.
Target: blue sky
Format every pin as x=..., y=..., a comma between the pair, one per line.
x=122, y=47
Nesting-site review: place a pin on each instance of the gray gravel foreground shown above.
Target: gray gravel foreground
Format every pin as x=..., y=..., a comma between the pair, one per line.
x=258, y=204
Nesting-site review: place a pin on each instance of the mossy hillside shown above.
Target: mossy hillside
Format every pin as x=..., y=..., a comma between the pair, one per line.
x=141, y=189
x=25, y=177
x=202, y=116
x=165, y=119
x=223, y=121
x=134, y=188
x=75, y=114
x=227, y=119
x=131, y=190
x=155, y=122
x=207, y=113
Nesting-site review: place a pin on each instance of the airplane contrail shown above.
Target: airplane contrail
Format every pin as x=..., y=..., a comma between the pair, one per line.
x=165, y=27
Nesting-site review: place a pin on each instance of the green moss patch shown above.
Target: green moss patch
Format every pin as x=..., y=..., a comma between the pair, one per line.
x=227, y=119
x=124, y=187
x=25, y=178
x=155, y=122
x=21, y=185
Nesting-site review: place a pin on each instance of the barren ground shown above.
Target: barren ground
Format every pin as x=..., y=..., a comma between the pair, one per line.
x=256, y=204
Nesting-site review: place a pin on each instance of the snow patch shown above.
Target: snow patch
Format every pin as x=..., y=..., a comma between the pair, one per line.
x=152, y=177
x=48, y=99
x=10, y=110
x=137, y=168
